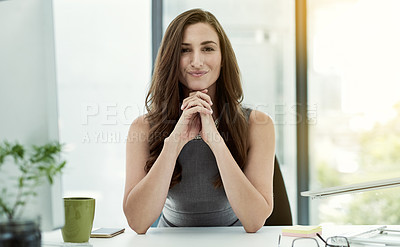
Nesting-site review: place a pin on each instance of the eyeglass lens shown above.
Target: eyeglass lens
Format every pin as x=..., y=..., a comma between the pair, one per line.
x=337, y=242
x=305, y=242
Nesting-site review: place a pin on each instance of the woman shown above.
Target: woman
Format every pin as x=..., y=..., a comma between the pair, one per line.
x=198, y=156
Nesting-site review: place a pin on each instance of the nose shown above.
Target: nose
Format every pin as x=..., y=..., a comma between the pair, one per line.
x=196, y=59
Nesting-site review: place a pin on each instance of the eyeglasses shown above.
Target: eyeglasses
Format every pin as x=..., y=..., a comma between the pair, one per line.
x=335, y=241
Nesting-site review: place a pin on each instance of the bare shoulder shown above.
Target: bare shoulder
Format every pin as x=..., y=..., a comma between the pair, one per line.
x=261, y=126
x=140, y=127
x=258, y=118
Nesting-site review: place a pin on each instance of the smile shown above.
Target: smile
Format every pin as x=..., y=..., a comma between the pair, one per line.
x=197, y=73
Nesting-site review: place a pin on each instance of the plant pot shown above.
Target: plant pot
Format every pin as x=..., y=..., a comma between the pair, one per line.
x=20, y=232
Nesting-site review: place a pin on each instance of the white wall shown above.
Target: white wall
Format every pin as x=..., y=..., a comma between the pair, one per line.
x=28, y=108
x=28, y=102
x=103, y=57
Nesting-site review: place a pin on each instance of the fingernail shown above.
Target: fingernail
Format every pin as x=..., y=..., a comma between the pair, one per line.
x=211, y=111
x=182, y=107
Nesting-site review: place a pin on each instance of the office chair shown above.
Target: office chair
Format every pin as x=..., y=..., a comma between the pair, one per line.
x=281, y=215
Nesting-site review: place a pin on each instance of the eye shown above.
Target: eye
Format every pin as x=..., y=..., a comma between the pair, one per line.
x=208, y=49
x=185, y=50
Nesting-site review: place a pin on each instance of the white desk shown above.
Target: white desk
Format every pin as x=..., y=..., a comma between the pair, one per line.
x=199, y=236
x=188, y=237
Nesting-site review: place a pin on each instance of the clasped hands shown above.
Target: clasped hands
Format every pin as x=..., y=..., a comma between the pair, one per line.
x=196, y=119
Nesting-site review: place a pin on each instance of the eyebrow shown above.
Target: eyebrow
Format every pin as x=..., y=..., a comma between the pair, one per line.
x=203, y=43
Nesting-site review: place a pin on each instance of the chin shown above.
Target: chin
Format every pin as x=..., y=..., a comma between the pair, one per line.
x=196, y=87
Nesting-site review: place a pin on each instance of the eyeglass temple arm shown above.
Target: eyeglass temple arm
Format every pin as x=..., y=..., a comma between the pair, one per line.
x=320, y=237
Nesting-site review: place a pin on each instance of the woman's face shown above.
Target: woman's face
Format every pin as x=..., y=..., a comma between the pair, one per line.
x=200, y=62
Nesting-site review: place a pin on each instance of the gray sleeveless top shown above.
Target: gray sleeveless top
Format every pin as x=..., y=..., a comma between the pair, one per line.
x=194, y=201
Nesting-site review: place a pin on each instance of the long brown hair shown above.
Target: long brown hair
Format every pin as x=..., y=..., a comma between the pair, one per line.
x=166, y=94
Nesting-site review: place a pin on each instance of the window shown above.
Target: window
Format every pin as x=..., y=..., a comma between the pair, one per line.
x=354, y=83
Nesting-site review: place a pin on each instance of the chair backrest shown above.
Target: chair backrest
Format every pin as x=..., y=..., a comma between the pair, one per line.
x=281, y=215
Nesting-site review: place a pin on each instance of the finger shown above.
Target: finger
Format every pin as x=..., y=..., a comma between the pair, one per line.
x=189, y=112
x=196, y=101
x=205, y=96
x=197, y=95
x=189, y=102
x=185, y=102
x=201, y=94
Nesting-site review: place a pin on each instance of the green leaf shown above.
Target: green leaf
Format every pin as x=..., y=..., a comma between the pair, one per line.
x=50, y=178
x=39, y=163
x=42, y=168
x=21, y=182
x=18, y=151
x=33, y=177
x=20, y=203
x=23, y=169
x=61, y=166
x=4, y=208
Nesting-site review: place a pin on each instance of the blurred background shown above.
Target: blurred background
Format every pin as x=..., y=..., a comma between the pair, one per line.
x=104, y=53
x=104, y=64
x=354, y=82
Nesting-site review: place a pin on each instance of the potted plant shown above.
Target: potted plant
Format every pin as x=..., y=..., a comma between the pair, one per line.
x=34, y=166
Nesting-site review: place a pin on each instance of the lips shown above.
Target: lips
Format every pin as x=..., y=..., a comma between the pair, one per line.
x=197, y=73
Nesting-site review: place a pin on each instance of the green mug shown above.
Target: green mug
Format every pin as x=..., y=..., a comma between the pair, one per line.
x=79, y=215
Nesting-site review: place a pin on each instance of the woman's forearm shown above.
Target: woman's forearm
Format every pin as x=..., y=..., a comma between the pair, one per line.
x=247, y=202
x=145, y=201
